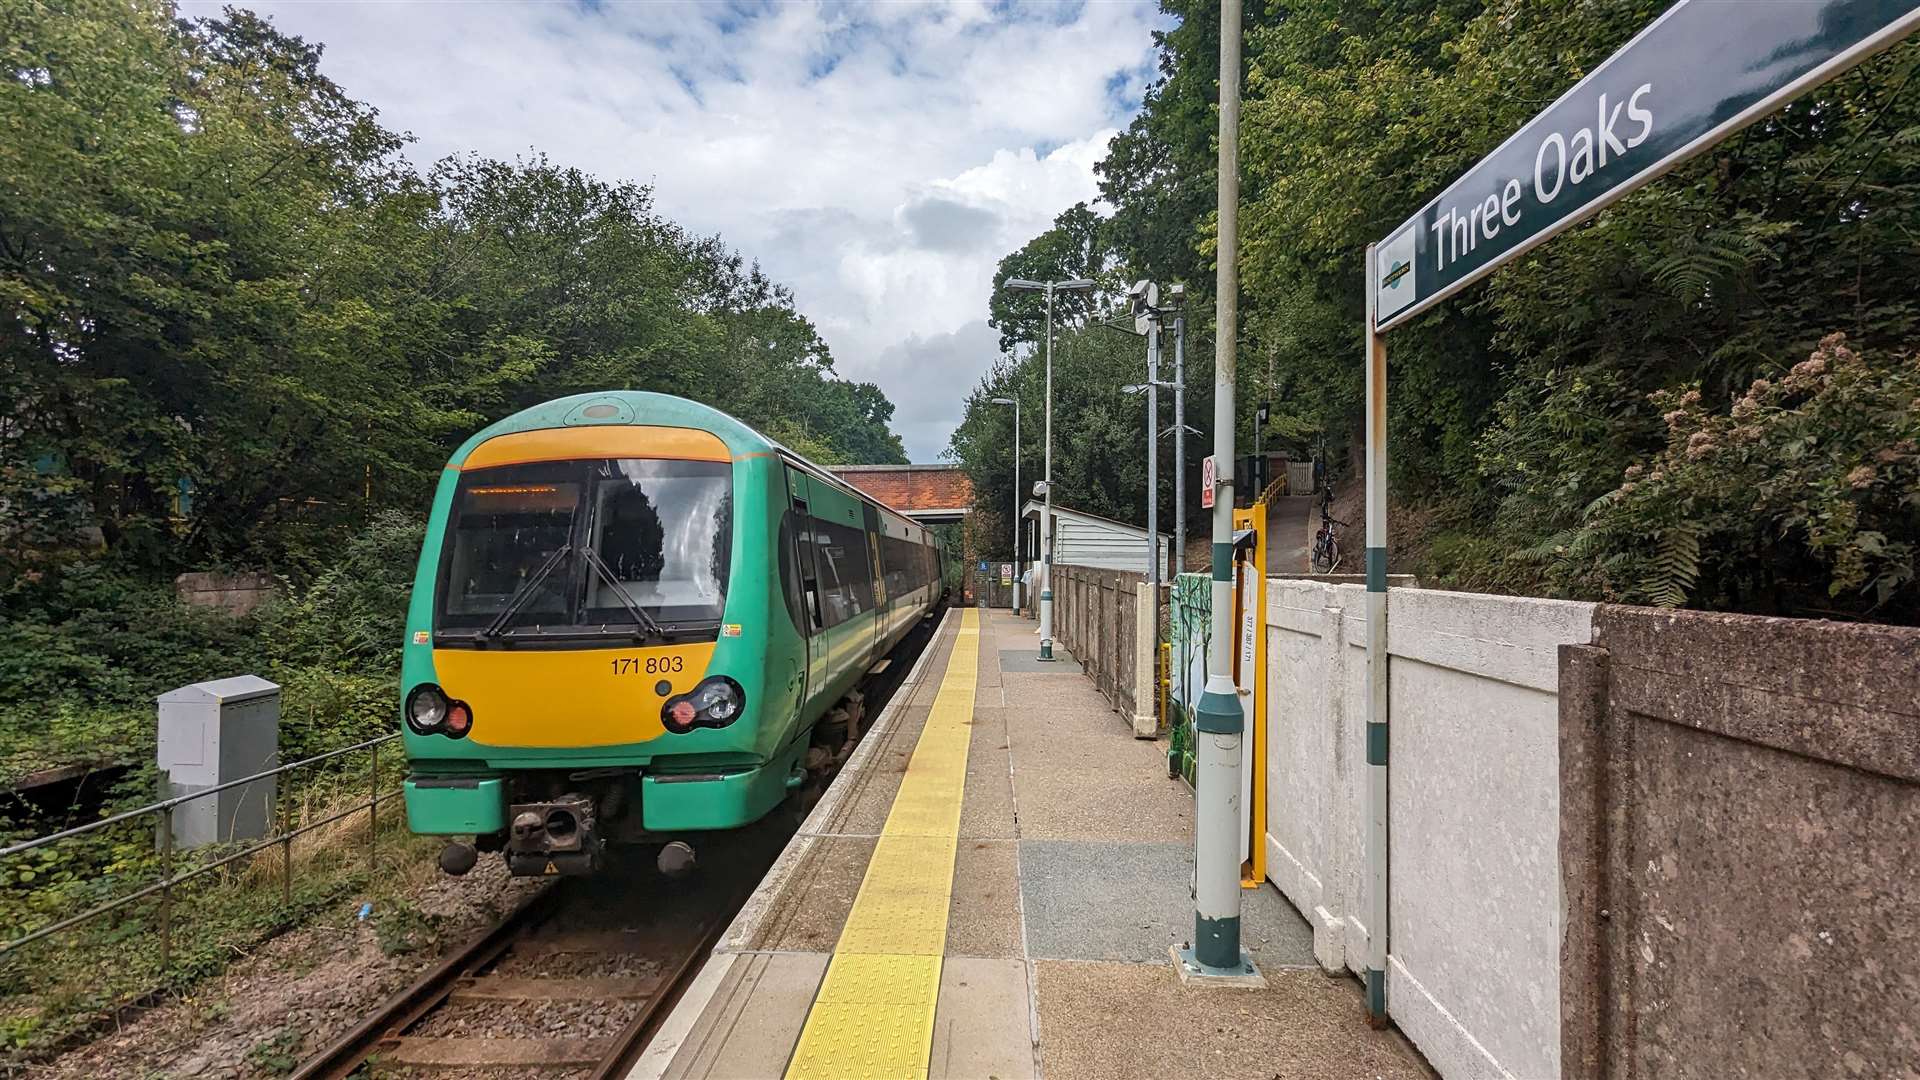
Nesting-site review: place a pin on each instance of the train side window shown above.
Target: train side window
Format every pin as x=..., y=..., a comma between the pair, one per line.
x=803, y=545
x=895, y=554
x=793, y=587
x=846, y=586
x=902, y=557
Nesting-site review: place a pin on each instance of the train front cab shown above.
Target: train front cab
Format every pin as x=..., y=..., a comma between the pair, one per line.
x=544, y=715
x=581, y=660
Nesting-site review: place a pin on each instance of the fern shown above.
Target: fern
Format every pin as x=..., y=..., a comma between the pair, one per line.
x=1675, y=566
x=1718, y=254
x=1553, y=547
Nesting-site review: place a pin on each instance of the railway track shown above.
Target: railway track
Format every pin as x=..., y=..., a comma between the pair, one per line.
x=574, y=982
x=569, y=985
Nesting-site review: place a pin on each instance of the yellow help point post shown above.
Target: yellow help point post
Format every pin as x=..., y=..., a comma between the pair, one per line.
x=1250, y=673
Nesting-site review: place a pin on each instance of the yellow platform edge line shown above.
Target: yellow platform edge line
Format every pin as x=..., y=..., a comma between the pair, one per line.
x=872, y=1017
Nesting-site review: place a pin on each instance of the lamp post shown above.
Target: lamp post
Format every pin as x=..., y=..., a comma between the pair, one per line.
x=1177, y=301
x=1153, y=465
x=1148, y=314
x=1179, y=431
x=1046, y=513
x=1219, y=725
x=1016, y=495
x=1145, y=297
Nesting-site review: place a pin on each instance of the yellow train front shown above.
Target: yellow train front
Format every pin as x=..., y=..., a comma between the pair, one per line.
x=636, y=619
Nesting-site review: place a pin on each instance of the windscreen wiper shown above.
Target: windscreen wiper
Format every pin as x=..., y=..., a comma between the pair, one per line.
x=647, y=623
x=524, y=593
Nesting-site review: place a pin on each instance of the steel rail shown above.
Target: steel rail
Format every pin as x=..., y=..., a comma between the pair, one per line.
x=633, y=1038
x=424, y=994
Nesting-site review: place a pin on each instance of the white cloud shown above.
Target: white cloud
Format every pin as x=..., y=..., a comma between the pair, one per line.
x=878, y=158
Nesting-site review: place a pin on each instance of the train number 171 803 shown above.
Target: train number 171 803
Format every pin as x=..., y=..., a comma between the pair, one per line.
x=646, y=665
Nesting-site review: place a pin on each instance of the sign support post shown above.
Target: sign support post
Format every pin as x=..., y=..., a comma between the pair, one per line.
x=1376, y=695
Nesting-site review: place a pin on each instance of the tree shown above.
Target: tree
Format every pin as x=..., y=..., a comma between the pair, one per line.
x=240, y=324
x=1099, y=431
x=1519, y=404
x=1075, y=247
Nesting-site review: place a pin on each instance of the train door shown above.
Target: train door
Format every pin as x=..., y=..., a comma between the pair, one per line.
x=882, y=602
x=810, y=599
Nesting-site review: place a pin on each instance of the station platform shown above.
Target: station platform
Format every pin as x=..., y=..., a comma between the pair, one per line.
x=990, y=889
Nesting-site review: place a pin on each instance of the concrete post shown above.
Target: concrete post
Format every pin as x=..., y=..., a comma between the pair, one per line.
x=1146, y=642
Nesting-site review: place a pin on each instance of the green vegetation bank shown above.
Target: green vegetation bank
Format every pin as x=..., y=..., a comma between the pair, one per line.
x=240, y=330
x=1707, y=396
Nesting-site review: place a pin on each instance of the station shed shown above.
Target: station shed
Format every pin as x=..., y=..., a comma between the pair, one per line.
x=1084, y=539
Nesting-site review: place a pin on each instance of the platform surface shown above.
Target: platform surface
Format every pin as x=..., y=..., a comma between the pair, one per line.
x=989, y=889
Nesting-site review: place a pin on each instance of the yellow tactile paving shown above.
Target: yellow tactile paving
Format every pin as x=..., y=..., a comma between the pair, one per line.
x=873, y=1016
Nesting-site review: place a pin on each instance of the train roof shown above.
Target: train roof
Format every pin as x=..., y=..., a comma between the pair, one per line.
x=625, y=407
x=642, y=407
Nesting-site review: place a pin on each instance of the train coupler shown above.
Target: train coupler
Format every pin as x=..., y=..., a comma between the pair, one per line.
x=557, y=838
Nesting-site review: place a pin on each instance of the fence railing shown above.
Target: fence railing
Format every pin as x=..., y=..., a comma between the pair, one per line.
x=1106, y=619
x=163, y=810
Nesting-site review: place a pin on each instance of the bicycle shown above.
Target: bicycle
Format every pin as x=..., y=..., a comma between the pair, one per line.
x=1326, y=542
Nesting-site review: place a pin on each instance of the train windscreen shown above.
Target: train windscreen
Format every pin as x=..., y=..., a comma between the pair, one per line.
x=583, y=547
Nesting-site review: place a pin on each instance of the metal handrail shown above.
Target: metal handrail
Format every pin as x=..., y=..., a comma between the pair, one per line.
x=169, y=880
x=168, y=804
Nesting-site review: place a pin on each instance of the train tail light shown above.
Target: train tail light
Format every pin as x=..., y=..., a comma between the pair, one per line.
x=429, y=712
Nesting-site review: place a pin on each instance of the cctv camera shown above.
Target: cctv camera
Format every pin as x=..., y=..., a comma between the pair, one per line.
x=1145, y=296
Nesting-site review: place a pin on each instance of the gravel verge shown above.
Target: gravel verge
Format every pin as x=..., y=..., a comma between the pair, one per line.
x=300, y=990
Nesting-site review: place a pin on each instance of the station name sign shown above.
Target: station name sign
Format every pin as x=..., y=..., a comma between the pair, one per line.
x=1700, y=72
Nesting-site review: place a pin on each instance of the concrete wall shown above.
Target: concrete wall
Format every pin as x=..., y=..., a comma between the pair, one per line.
x=1474, y=965
x=1740, y=844
x=1623, y=842
x=1473, y=969
x=235, y=594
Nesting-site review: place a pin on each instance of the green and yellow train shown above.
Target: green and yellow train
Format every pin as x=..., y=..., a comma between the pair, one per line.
x=636, y=618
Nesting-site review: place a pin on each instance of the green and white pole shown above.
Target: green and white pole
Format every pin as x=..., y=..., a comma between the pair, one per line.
x=1376, y=361
x=1218, y=722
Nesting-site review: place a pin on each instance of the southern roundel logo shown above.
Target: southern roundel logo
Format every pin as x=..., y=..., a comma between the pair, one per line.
x=1396, y=274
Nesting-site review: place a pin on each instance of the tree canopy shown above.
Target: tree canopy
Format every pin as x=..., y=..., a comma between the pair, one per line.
x=1520, y=409
x=238, y=320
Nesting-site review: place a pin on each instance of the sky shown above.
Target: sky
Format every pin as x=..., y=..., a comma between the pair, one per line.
x=877, y=158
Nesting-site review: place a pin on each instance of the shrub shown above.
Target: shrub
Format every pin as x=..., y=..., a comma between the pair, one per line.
x=352, y=617
x=107, y=638
x=1803, y=497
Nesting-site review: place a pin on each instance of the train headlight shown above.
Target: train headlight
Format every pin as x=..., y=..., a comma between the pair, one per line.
x=426, y=709
x=715, y=703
